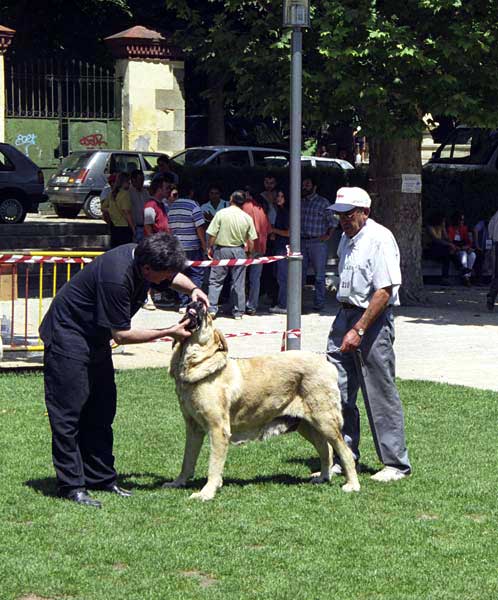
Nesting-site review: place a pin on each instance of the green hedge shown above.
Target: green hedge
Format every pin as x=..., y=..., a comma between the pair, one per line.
x=473, y=192
x=235, y=178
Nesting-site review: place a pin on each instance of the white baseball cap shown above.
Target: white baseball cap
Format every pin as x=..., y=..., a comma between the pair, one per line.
x=348, y=198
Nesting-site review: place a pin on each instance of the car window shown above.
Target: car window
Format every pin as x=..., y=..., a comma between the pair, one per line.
x=232, y=158
x=327, y=164
x=5, y=163
x=150, y=162
x=306, y=162
x=265, y=158
x=125, y=163
x=194, y=157
x=76, y=161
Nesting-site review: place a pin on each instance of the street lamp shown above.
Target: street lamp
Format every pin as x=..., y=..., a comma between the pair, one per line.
x=296, y=13
x=296, y=17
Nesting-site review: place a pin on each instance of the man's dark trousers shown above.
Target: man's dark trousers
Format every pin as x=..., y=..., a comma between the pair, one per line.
x=81, y=404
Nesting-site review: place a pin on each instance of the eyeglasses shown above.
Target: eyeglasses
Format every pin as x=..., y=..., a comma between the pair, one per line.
x=348, y=215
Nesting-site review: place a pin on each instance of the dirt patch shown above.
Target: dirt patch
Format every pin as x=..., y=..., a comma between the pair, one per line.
x=33, y=597
x=424, y=517
x=204, y=580
x=119, y=567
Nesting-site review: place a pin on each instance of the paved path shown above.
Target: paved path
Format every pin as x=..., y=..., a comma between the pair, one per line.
x=453, y=340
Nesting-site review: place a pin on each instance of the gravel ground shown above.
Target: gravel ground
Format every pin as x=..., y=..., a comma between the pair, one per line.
x=453, y=339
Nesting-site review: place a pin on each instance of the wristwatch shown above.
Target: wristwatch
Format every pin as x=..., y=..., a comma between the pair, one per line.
x=360, y=331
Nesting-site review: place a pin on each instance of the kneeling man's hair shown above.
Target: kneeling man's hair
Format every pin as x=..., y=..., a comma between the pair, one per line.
x=161, y=251
x=238, y=198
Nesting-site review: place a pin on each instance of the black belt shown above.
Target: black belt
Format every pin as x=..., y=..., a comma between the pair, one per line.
x=349, y=306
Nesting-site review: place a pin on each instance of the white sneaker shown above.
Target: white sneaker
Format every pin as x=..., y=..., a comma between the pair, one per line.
x=336, y=470
x=388, y=474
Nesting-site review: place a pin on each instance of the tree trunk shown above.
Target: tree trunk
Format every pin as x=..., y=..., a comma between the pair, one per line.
x=216, y=115
x=400, y=212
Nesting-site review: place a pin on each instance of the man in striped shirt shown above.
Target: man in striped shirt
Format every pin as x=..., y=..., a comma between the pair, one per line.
x=186, y=222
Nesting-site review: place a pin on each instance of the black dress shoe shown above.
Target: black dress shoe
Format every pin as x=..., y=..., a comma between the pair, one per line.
x=115, y=489
x=81, y=496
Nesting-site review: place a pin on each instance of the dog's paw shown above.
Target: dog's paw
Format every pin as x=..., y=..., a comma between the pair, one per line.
x=177, y=483
x=351, y=487
x=317, y=478
x=202, y=496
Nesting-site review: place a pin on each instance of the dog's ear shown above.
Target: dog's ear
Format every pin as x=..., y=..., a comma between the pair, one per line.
x=220, y=340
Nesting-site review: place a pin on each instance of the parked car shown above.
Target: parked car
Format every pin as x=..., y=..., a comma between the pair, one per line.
x=235, y=156
x=327, y=163
x=83, y=174
x=242, y=156
x=467, y=148
x=21, y=185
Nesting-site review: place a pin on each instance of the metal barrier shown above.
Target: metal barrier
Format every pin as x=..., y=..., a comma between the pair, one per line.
x=28, y=282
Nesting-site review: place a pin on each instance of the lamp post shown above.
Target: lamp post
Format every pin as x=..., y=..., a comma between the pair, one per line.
x=296, y=17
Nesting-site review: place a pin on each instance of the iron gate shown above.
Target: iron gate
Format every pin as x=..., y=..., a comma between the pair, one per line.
x=55, y=107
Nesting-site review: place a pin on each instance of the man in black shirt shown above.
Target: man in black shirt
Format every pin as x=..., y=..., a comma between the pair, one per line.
x=93, y=307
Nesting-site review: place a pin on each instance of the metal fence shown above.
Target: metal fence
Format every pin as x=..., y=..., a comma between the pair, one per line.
x=51, y=88
x=28, y=282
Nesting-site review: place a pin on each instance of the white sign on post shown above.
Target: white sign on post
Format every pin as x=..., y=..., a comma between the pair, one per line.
x=411, y=184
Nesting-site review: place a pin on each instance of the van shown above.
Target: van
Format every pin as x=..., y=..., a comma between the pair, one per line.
x=465, y=149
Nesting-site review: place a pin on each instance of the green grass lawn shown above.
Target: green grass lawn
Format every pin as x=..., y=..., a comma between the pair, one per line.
x=268, y=533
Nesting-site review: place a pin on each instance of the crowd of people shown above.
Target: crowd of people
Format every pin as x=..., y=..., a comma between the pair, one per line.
x=248, y=224
x=467, y=249
x=256, y=223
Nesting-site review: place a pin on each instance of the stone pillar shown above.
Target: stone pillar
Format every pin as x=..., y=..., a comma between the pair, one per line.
x=153, y=102
x=6, y=36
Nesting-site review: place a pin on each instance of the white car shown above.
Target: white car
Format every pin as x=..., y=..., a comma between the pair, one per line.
x=327, y=163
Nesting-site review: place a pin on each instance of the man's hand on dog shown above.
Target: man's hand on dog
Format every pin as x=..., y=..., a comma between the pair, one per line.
x=179, y=332
x=198, y=295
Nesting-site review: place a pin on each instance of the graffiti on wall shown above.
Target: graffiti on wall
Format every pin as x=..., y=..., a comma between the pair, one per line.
x=25, y=141
x=93, y=140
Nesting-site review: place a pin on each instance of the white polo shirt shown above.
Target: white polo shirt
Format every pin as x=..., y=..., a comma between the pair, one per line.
x=368, y=262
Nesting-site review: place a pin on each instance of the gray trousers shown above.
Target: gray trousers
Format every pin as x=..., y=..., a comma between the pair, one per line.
x=218, y=275
x=374, y=373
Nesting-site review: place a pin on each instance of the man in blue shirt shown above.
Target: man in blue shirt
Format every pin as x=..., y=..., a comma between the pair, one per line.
x=317, y=224
x=186, y=222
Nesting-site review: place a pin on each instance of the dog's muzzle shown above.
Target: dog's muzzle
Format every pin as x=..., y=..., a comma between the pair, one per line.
x=196, y=312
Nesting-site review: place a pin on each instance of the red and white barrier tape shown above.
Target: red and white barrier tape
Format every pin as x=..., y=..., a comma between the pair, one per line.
x=291, y=333
x=235, y=262
x=225, y=262
x=21, y=258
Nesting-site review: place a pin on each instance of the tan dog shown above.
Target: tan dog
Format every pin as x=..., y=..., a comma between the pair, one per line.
x=236, y=400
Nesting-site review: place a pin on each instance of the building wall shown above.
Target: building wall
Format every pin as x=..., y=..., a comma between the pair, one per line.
x=153, y=105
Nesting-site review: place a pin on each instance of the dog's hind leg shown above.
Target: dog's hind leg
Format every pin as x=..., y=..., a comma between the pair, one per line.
x=322, y=447
x=333, y=435
x=219, y=437
x=193, y=444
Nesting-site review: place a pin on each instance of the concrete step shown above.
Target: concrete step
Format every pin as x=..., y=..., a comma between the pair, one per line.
x=46, y=235
x=62, y=242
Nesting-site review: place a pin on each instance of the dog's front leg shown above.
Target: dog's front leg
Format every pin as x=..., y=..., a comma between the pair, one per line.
x=219, y=437
x=193, y=444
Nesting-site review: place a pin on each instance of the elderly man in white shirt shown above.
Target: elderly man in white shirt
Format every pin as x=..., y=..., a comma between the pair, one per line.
x=361, y=339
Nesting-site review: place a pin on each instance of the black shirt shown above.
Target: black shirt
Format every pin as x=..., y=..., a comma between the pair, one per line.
x=103, y=296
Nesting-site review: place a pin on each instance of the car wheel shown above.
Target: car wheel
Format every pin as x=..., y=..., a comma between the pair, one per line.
x=66, y=211
x=11, y=210
x=92, y=207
